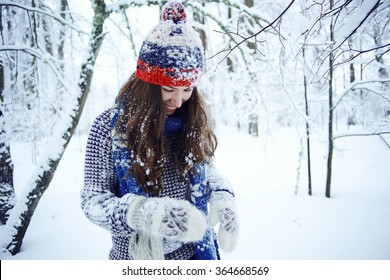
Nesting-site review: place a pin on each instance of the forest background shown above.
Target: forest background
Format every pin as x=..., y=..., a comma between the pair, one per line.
x=319, y=69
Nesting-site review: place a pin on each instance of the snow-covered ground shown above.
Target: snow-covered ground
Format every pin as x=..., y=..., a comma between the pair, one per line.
x=275, y=223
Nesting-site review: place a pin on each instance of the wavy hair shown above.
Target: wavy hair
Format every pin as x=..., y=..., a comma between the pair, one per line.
x=142, y=122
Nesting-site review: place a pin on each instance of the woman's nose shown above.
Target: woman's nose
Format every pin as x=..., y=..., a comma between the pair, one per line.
x=178, y=99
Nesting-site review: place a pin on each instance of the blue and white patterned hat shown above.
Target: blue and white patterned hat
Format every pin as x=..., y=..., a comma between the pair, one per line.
x=172, y=53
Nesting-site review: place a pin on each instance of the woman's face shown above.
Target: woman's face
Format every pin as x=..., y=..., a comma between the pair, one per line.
x=174, y=97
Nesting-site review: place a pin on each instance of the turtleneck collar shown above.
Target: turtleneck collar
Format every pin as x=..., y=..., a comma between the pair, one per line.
x=173, y=124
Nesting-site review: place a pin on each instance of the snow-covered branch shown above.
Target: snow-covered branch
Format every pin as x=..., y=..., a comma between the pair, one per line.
x=43, y=12
x=354, y=21
x=270, y=25
x=362, y=85
x=379, y=51
x=350, y=17
x=44, y=57
x=362, y=134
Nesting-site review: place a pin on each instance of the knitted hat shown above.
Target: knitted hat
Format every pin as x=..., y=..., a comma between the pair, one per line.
x=172, y=53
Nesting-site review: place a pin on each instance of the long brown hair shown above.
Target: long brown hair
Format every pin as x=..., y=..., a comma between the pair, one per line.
x=142, y=121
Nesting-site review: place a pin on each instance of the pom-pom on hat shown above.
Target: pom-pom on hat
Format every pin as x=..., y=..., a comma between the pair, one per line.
x=172, y=53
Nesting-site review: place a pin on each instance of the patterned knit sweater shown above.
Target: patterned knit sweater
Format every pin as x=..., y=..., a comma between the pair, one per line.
x=102, y=203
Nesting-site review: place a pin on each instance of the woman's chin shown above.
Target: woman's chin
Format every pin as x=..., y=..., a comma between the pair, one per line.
x=168, y=113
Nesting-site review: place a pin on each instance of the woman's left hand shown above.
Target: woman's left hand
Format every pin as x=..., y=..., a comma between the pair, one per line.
x=223, y=210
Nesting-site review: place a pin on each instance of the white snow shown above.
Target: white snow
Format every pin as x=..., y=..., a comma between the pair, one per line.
x=353, y=22
x=275, y=224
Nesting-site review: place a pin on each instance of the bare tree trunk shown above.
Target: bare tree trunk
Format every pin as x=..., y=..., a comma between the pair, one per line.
x=7, y=192
x=352, y=78
x=352, y=75
x=309, y=185
x=383, y=72
x=253, y=125
x=20, y=219
x=330, y=116
x=251, y=45
x=229, y=61
x=61, y=38
x=201, y=19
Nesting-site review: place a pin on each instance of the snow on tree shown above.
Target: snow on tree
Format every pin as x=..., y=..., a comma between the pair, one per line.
x=21, y=214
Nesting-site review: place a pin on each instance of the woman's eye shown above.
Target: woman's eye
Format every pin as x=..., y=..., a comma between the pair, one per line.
x=168, y=90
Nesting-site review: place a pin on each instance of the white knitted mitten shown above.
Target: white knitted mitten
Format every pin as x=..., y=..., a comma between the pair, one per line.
x=222, y=209
x=166, y=217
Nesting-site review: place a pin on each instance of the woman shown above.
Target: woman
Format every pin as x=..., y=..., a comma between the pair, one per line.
x=149, y=176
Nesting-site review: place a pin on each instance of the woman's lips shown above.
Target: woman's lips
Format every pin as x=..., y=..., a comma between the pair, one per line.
x=170, y=108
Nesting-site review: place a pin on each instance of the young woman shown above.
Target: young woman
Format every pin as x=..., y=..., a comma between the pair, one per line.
x=149, y=175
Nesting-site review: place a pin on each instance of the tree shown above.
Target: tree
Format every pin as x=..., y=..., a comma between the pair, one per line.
x=346, y=19
x=330, y=108
x=308, y=151
x=20, y=217
x=245, y=50
x=7, y=192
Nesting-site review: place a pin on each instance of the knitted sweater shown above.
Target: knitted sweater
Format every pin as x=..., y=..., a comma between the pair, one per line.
x=101, y=200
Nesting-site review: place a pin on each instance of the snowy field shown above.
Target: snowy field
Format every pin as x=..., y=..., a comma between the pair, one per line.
x=275, y=223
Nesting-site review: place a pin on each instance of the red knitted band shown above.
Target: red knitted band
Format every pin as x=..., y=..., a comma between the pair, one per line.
x=166, y=76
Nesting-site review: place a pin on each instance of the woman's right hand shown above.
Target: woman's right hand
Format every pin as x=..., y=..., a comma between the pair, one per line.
x=166, y=217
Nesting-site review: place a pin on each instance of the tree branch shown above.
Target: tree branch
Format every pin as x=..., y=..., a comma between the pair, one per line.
x=362, y=134
x=356, y=85
x=360, y=24
x=46, y=13
x=44, y=57
x=257, y=33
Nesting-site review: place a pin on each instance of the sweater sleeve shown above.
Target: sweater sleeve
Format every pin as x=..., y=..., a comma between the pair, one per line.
x=98, y=199
x=218, y=183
